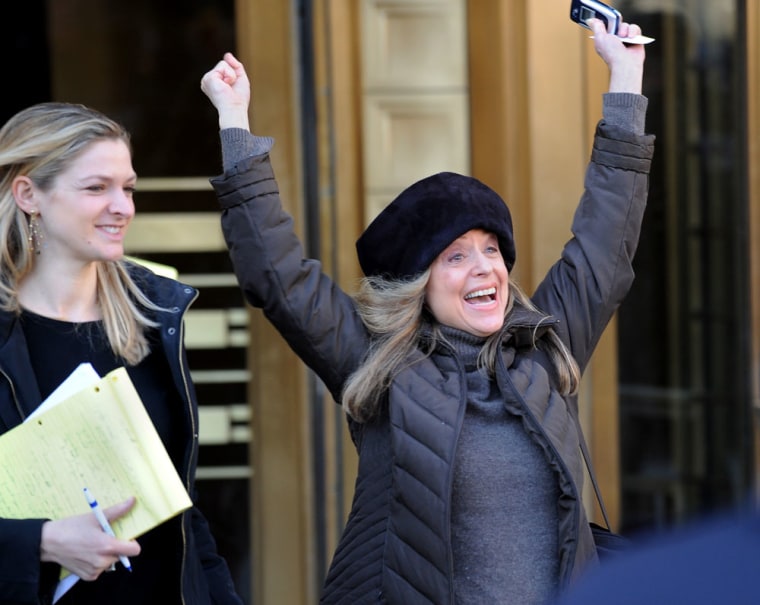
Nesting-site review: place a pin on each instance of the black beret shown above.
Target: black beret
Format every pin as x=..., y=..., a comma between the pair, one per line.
x=407, y=236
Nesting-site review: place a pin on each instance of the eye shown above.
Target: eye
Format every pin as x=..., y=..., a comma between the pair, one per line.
x=130, y=190
x=96, y=188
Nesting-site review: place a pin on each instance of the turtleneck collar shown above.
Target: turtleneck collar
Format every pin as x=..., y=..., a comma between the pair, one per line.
x=522, y=328
x=466, y=345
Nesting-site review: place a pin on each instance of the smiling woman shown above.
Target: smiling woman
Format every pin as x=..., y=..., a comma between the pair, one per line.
x=468, y=287
x=459, y=388
x=68, y=296
x=84, y=213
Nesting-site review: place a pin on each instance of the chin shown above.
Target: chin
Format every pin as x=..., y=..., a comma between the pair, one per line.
x=113, y=256
x=483, y=332
x=486, y=328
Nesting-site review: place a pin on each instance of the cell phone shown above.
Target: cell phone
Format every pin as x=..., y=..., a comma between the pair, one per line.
x=583, y=10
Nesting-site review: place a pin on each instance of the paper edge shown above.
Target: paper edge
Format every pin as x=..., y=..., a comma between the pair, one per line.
x=634, y=40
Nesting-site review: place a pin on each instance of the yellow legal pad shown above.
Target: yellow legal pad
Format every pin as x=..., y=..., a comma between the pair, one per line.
x=100, y=438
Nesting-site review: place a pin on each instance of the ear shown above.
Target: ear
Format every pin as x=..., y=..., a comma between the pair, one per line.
x=23, y=190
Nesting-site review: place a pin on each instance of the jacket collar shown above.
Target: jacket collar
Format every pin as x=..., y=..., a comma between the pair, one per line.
x=15, y=371
x=165, y=292
x=522, y=328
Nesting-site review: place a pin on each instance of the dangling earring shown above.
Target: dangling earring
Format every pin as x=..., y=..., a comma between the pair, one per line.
x=35, y=233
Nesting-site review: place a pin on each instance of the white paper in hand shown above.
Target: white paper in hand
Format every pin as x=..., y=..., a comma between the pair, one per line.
x=83, y=376
x=634, y=39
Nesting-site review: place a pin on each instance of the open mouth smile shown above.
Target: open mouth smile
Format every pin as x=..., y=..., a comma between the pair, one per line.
x=486, y=295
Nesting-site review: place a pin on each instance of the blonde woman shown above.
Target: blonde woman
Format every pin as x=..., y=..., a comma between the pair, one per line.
x=67, y=296
x=459, y=388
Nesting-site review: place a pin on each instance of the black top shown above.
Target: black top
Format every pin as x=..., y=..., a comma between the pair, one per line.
x=56, y=348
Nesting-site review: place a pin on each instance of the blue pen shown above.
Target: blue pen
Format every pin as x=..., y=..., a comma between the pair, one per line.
x=104, y=524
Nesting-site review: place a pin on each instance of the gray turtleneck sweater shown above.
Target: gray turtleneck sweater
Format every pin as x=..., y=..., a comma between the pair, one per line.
x=504, y=504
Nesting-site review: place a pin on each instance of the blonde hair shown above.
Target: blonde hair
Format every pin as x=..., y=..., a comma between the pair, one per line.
x=41, y=142
x=399, y=324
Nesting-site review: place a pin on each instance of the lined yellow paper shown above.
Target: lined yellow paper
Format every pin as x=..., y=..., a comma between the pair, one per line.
x=101, y=438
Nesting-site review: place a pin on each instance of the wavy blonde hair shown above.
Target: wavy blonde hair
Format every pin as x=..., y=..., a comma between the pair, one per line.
x=399, y=324
x=41, y=142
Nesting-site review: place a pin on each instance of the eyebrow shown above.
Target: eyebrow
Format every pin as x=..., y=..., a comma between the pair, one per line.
x=104, y=177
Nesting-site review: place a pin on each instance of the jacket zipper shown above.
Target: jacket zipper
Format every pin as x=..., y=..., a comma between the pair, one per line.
x=194, y=436
x=15, y=398
x=560, y=460
x=450, y=480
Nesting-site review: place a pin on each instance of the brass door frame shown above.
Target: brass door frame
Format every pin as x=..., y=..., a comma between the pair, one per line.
x=282, y=527
x=753, y=137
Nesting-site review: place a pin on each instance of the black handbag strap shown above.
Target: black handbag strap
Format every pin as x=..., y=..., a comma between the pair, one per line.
x=587, y=459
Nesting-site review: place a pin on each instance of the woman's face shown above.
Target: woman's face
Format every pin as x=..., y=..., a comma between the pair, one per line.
x=85, y=214
x=469, y=284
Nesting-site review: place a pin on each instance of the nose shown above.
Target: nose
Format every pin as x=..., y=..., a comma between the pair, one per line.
x=122, y=203
x=481, y=264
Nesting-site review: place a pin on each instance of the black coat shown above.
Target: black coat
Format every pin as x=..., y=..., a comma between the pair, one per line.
x=396, y=545
x=205, y=576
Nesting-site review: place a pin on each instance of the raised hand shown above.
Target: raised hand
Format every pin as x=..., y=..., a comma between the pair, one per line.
x=229, y=90
x=625, y=61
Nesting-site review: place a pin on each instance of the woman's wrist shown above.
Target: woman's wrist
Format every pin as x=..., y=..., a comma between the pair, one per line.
x=233, y=117
x=627, y=78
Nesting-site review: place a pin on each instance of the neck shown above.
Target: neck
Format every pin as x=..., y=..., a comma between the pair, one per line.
x=65, y=295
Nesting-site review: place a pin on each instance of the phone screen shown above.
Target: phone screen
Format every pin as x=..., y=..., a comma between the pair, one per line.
x=586, y=14
x=583, y=10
